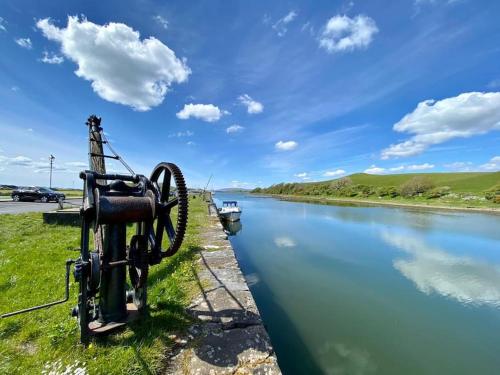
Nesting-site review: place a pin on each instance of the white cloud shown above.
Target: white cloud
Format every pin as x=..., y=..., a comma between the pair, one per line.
x=434, y=122
x=335, y=173
x=419, y=167
x=187, y=133
x=281, y=26
x=463, y=166
x=2, y=24
x=303, y=175
x=24, y=42
x=234, y=129
x=492, y=165
x=286, y=146
x=51, y=58
x=190, y=143
x=375, y=170
x=397, y=169
x=162, y=21
x=284, y=242
x=77, y=164
x=17, y=160
x=15, y=88
x=205, y=112
x=253, y=106
x=342, y=33
x=122, y=68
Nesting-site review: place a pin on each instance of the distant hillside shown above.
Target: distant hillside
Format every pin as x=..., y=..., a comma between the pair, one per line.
x=466, y=186
x=467, y=182
x=233, y=190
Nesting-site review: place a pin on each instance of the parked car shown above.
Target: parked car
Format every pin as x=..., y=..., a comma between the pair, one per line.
x=36, y=193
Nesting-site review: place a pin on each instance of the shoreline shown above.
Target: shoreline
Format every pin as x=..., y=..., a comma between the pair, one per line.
x=369, y=202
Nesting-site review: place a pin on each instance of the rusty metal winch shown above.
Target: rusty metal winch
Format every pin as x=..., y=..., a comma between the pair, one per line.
x=111, y=202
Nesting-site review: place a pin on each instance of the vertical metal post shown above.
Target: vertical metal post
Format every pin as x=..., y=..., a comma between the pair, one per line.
x=51, y=158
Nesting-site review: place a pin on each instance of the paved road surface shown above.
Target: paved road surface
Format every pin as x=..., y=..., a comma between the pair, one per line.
x=10, y=207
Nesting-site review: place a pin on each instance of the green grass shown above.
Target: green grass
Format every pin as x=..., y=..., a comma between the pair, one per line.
x=469, y=182
x=32, y=256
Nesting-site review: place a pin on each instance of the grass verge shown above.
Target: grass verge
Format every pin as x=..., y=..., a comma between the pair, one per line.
x=32, y=256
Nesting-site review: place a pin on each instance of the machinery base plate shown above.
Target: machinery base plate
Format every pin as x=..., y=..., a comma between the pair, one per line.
x=96, y=328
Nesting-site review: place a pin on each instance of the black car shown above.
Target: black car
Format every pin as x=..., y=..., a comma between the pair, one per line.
x=35, y=193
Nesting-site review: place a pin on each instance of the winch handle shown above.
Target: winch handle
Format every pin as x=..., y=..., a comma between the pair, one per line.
x=69, y=262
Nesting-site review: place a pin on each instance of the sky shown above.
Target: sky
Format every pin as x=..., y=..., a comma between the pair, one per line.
x=254, y=93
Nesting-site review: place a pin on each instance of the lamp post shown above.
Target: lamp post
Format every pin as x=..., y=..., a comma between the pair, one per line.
x=51, y=158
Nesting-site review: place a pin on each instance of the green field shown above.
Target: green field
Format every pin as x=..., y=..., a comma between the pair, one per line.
x=466, y=182
x=32, y=257
x=461, y=190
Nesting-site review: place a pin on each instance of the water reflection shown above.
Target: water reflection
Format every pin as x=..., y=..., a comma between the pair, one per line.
x=284, y=242
x=340, y=359
x=232, y=227
x=468, y=280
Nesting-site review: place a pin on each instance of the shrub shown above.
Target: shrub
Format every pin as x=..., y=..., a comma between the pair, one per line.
x=340, y=183
x=387, y=191
x=437, y=192
x=416, y=185
x=493, y=194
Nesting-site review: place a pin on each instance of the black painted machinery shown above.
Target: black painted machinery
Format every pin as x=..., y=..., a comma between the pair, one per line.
x=157, y=210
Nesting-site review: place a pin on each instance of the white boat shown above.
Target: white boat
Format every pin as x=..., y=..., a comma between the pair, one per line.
x=230, y=211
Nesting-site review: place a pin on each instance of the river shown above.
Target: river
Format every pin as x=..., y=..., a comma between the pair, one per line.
x=373, y=290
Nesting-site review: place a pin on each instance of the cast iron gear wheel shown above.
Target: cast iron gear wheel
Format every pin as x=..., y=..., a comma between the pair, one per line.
x=167, y=201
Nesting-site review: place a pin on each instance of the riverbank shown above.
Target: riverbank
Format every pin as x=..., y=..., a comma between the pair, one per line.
x=228, y=336
x=428, y=204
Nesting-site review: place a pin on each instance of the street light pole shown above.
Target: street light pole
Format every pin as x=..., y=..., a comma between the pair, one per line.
x=51, y=158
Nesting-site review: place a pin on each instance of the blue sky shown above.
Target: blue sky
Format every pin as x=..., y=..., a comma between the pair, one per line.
x=253, y=92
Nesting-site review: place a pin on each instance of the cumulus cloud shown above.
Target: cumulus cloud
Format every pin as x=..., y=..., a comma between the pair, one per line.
x=434, y=270
x=434, y=122
x=205, y=112
x=162, y=21
x=284, y=242
x=234, y=129
x=122, y=68
x=492, y=165
x=253, y=106
x=375, y=170
x=281, y=26
x=286, y=145
x=24, y=42
x=342, y=33
x=335, y=173
x=51, y=58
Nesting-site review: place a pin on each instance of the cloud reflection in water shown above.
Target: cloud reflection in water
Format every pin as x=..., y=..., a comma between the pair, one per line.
x=432, y=269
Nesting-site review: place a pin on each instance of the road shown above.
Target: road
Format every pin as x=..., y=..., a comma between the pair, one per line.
x=10, y=207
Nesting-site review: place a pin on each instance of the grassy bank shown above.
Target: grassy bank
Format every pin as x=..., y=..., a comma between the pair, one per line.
x=395, y=202
x=32, y=256
x=445, y=190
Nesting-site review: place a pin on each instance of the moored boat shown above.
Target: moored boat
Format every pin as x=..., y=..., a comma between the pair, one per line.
x=230, y=211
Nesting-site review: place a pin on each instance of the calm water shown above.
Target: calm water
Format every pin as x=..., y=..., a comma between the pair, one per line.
x=373, y=290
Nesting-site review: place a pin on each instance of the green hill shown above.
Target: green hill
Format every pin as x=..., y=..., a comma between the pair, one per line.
x=453, y=189
x=469, y=182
